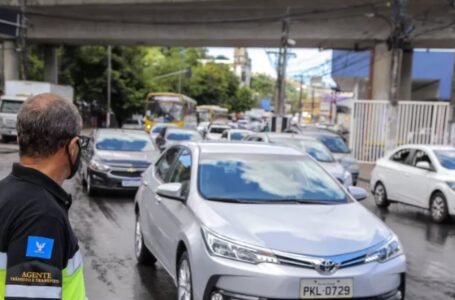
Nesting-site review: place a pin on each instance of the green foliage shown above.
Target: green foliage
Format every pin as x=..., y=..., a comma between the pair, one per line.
x=242, y=101
x=263, y=86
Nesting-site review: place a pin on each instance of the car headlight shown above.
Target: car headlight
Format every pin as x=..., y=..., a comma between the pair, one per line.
x=226, y=248
x=390, y=250
x=451, y=184
x=98, y=166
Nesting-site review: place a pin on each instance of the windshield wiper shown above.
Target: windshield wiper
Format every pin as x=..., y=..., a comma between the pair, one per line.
x=271, y=201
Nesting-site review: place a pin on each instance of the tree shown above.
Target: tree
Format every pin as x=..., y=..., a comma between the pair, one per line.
x=213, y=84
x=263, y=86
x=242, y=101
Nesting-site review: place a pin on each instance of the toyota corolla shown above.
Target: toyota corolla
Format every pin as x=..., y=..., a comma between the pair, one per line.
x=243, y=221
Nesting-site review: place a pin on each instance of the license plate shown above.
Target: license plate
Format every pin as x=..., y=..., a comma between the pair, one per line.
x=326, y=288
x=131, y=182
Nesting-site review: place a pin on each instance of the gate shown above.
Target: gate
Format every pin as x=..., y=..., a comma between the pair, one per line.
x=418, y=123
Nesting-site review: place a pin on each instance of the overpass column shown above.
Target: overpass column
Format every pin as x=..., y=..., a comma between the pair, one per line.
x=11, y=62
x=406, y=75
x=50, y=64
x=382, y=72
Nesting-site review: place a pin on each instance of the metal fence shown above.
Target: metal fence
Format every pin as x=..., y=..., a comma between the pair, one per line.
x=418, y=123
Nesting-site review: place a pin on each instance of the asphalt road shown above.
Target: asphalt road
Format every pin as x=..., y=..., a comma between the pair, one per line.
x=105, y=224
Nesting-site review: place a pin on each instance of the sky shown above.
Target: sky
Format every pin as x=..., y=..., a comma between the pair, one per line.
x=304, y=60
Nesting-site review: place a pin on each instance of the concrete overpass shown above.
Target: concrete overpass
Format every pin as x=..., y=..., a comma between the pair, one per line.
x=347, y=24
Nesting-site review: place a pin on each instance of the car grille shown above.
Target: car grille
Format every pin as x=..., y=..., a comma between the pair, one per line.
x=127, y=173
x=10, y=123
x=311, y=262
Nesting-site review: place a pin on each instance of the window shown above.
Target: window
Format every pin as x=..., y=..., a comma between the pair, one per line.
x=421, y=156
x=182, y=171
x=334, y=143
x=401, y=156
x=10, y=106
x=260, y=178
x=164, y=165
x=124, y=141
x=446, y=158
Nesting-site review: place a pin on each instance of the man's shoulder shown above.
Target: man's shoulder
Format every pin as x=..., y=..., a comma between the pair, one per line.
x=19, y=195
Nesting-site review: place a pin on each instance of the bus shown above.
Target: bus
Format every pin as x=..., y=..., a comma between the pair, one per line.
x=210, y=113
x=172, y=108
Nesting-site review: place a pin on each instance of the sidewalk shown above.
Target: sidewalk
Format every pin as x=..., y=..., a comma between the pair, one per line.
x=365, y=171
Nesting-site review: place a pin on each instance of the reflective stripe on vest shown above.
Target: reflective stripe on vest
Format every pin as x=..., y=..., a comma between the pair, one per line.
x=3, y=260
x=24, y=291
x=74, y=263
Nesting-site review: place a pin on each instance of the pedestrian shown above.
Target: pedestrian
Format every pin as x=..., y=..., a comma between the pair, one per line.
x=39, y=253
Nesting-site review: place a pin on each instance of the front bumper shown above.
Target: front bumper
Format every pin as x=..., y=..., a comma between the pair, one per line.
x=271, y=281
x=105, y=181
x=10, y=132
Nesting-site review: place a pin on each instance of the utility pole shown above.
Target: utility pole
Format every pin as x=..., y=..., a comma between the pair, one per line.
x=397, y=41
x=109, y=75
x=300, y=105
x=312, y=103
x=182, y=51
x=281, y=67
x=23, y=42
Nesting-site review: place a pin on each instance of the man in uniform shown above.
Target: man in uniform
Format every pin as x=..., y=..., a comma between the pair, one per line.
x=39, y=253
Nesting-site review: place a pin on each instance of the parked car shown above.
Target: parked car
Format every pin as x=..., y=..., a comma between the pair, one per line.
x=310, y=146
x=170, y=136
x=337, y=146
x=215, y=131
x=244, y=221
x=133, y=124
x=243, y=124
x=235, y=134
x=115, y=159
x=418, y=175
x=156, y=129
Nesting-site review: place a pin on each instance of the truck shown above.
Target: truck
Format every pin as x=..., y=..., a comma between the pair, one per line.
x=16, y=93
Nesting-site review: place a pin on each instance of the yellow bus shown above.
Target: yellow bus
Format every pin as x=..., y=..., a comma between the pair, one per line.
x=172, y=108
x=210, y=113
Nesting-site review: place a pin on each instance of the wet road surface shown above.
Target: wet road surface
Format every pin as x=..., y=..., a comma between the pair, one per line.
x=105, y=227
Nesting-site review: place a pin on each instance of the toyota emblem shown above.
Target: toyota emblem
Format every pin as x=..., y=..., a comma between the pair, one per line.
x=327, y=267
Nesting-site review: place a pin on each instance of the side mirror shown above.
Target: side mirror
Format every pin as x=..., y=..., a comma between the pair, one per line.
x=358, y=193
x=170, y=190
x=423, y=165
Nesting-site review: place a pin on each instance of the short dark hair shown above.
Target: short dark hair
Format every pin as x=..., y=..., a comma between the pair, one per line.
x=45, y=124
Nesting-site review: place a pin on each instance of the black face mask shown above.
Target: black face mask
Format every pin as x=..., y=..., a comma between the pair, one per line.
x=73, y=167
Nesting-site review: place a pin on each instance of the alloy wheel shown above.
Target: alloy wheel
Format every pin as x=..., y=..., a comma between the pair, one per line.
x=438, y=208
x=184, y=281
x=138, y=238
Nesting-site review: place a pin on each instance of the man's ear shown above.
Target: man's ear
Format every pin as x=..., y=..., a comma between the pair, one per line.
x=73, y=146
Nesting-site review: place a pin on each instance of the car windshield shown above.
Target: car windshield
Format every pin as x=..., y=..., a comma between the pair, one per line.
x=446, y=158
x=10, y=106
x=334, y=143
x=124, y=141
x=257, y=178
x=238, y=136
x=183, y=136
x=218, y=130
x=313, y=148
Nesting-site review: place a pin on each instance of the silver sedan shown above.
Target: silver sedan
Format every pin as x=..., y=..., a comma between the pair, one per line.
x=257, y=221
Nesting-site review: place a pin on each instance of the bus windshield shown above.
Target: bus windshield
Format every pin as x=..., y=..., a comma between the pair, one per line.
x=10, y=106
x=165, y=109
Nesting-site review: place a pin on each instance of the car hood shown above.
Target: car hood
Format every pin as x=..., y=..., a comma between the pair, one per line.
x=319, y=230
x=127, y=158
x=334, y=168
x=343, y=156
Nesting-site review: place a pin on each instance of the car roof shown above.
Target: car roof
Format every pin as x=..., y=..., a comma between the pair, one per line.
x=119, y=131
x=214, y=147
x=426, y=147
x=170, y=129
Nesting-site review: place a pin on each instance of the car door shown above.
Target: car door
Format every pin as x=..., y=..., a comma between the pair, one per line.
x=418, y=180
x=171, y=213
x=394, y=171
x=150, y=209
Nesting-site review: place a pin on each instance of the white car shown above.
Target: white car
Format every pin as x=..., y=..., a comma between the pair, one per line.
x=133, y=124
x=156, y=129
x=418, y=175
x=215, y=131
x=235, y=134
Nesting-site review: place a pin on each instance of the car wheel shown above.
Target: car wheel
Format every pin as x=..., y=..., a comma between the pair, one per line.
x=185, y=286
x=380, y=196
x=88, y=185
x=143, y=255
x=438, y=208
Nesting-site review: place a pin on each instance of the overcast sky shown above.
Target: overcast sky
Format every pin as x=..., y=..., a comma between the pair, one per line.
x=305, y=58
